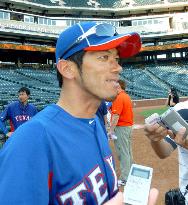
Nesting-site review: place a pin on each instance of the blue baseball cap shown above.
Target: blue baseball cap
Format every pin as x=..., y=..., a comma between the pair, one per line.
x=92, y=36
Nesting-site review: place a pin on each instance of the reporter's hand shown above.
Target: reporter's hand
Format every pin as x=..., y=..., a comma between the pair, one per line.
x=153, y=195
x=111, y=136
x=155, y=132
x=180, y=139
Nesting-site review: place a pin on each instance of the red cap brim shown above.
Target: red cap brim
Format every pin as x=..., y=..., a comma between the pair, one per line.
x=127, y=45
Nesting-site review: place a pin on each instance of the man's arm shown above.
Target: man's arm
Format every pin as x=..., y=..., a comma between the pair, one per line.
x=114, y=121
x=162, y=148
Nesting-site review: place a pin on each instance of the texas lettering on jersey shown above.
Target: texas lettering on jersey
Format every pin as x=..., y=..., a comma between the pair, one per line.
x=20, y=118
x=98, y=187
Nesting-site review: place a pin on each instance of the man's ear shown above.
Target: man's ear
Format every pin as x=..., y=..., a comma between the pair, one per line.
x=66, y=69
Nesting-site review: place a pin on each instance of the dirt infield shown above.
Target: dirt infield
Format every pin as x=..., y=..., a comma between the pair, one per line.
x=165, y=174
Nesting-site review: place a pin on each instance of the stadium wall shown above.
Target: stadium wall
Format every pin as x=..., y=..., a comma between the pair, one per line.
x=153, y=102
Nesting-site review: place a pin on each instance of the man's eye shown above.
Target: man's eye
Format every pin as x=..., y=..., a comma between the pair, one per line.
x=118, y=60
x=103, y=57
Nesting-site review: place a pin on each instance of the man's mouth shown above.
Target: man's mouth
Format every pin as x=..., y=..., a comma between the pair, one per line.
x=113, y=81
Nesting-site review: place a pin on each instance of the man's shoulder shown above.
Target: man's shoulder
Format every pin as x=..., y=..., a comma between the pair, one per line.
x=50, y=112
x=121, y=97
x=13, y=104
x=125, y=96
x=122, y=94
x=32, y=105
x=44, y=118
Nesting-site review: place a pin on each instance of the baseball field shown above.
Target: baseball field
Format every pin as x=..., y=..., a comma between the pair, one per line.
x=165, y=171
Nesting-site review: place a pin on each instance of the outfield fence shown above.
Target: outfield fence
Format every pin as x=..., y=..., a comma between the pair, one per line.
x=153, y=102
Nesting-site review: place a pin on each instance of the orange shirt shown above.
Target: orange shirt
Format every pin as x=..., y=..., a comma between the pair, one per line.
x=122, y=106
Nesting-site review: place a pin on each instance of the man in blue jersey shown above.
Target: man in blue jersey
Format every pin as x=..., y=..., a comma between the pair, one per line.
x=17, y=112
x=61, y=156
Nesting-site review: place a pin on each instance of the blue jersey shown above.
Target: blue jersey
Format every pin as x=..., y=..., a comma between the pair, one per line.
x=56, y=158
x=17, y=114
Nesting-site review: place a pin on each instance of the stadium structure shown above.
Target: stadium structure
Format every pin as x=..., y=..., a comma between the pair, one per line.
x=29, y=29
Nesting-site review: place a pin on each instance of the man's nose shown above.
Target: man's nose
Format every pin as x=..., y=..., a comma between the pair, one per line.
x=116, y=66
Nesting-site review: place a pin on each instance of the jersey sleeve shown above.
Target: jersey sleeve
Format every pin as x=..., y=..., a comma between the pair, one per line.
x=24, y=167
x=3, y=117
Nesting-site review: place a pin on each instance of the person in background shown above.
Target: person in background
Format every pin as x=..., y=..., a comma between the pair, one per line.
x=17, y=112
x=61, y=156
x=121, y=127
x=108, y=105
x=173, y=98
x=108, y=116
x=164, y=143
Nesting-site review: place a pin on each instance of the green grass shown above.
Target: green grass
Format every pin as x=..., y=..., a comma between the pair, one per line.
x=147, y=113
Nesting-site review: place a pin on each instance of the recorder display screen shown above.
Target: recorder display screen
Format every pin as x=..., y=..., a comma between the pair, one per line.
x=140, y=173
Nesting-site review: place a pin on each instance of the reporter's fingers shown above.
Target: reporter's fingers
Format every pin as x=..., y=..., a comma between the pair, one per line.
x=180, y=139
x=153, y=196
x=155, y=132
x=116, y=200
x=155, y=129
x=151, y=128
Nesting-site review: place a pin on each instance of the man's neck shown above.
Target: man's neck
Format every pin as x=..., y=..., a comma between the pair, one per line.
x=23, y=103
x=77, y=105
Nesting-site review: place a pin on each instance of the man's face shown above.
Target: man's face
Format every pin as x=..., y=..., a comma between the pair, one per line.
x=23, y=97
x=100, y=73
